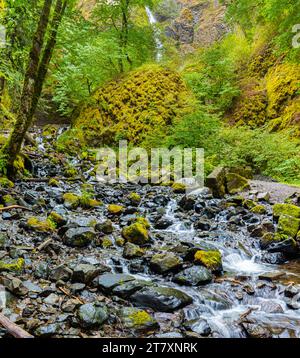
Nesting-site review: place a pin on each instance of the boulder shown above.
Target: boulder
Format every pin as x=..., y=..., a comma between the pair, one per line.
x=216, y=182
x=79, y=237
x=136, y=234
x=132, y=251
x=92, y=315
x=163, y=223
x=288, y=225
x=137, y=319
x=115, y=209
x=212, y=260
x=126, y=289
x=109, y=281
x=161, y=299
x=236, y=183
x=85, y=273
x=105, y=227
x=193, y=276
x=13, y=285
x=164, y=263
x=286, y=209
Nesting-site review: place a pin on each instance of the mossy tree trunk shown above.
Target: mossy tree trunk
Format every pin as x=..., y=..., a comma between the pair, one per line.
x=36, y=72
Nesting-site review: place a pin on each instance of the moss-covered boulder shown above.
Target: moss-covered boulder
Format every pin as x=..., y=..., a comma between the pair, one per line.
x=136, y=234
x=6, y=183
x=45, y=226
x=53, y=182
x=115, y=209
x=164, y=263
x=179, y=188
x=236, y=183
x=286, y=209
x=8, y=200
x=259, y=209
x=137, y=319
x=146, y=100
x=216, y=182
x=288, y=225
x=71, y=201
x=134, y=199
x=132, y=251
x=210, y=259
x=57, y=219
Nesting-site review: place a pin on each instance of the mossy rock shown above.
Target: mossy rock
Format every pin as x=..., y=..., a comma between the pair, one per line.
x=143, y=221
x=54, y=183
x=120, y=242
x=12, y=265
x=9, y=200
x=259, y=209
x=132, y=107
x=236, y=183
x=56, y=219
x=115, y=209
x=70, y=172
x=6, y=183
x=87, y=202
x=249, y=204
x=71, y=201
x=288, y=225
x=46, y=226
x=106, y=242
x=134, y=198
x=179, y=188
x=137, y=319
x=136, y=234
x=286, y=209
x=132, y=251
x=210, y=259
x=70, y=141
x=164, y=263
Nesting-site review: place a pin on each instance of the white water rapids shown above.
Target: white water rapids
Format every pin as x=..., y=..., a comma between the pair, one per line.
x=158, y=43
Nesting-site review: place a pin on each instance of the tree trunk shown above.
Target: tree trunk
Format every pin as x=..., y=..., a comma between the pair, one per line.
x=25, y=114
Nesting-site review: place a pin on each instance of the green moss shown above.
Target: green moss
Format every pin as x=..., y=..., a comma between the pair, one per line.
x=259, y=209
x=179, y=188
x=71, y=200
x=9, y=200
x=87, y=202
x=70, y=172
x=14, y=265
x=71, y=141
x=140, y=318
x=53, y=182
x=106, y=242
x=115, y=209
x=131, y=107
x=249, y=204
x=6, y=183
x=120, y=242
x=134, y=198
x=35, y=224
x=50, y=130
x=210, y=259
x=286, y=209
x=143, y=221
x=236, y=183
x=136, y=234
x=288, y=225
x=56, y=218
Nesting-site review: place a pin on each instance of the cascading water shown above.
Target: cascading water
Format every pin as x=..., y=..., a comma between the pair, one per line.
x=158, y=42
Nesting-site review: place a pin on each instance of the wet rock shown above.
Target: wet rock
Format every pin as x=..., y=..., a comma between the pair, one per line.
x=187, y=203
x=162, y=299
x=85, y=273
x=210, y=259
x=193, y=276
x=136, y=234
x=164, y=263
x=71, y=201
x=49, y=330
x=106, y=227
x=128, y=288
x=132, y=251
x=109, y=281
x=179, y=188
x=271, y=307
x=92, y=315
x=32, y=287
x=77, y=287
x=115, y=209
x=12, y=265
x=137, y=319
x=52, y=299
x=291, y=291
x=3, y=240
x=286, y=209
x=163, y=223
x=256, y=331
x=61, y=273
x=288, y=246
x=203, y=224
x=263, y=197
x=14, y=285
x=79, y=237
x=200, y=327
x=288, y=225
x=271, y=276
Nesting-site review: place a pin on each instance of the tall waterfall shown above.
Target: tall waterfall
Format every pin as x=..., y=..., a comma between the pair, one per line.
x=159, y=45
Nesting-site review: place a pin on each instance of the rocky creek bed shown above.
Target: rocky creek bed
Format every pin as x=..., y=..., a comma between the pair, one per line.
x=94, y=260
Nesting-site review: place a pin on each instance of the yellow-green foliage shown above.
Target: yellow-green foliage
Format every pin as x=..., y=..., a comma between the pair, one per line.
x=115, y=209
x=134, y=198
x=6, y=183
x=143, y=221
x=282, y=83
x=258, y=209
x=71, y=200
x=70, y=141
x=9, y=200
x=15, y=265
x=288, y=225
x=53, y=182
x=131, y=107
x=210, y=259
x=41, y=226
x=286, y=209
x=140, y=318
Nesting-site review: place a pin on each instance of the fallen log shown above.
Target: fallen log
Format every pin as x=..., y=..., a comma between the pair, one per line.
x=13, y=329
x=7, y=208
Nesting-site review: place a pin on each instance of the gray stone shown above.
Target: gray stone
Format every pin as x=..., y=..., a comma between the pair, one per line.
x=109, y=281
x=164, y=263
x=194, y=276
x=79, y=237
x=92, y=315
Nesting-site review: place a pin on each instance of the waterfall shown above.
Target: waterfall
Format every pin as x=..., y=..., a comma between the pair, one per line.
x=159, y=45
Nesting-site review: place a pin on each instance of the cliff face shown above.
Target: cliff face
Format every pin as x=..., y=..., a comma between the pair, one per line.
x=193, y=23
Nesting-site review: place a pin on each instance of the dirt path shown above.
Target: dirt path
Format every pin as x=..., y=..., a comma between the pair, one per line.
x=278, y=192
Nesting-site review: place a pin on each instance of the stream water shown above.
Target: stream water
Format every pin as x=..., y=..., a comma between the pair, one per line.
x=157, y=34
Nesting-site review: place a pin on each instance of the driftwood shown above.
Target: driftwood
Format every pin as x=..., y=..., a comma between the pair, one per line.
x=44, y=244
x=7, y=208
x=13, y=329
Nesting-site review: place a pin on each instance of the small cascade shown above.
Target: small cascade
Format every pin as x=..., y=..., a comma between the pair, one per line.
x=158, y=42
